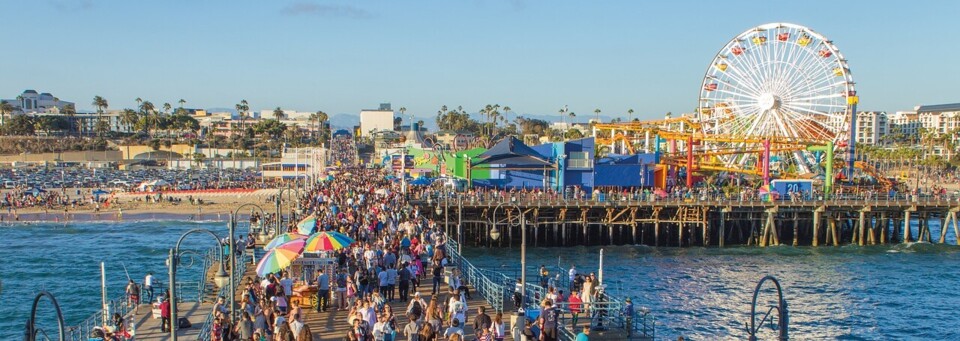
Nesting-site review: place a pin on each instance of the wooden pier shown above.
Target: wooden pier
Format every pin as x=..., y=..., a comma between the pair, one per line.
x=700, y=223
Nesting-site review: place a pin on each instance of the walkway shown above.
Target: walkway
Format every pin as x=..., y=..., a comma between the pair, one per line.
x=332, y=325
x=148, y=328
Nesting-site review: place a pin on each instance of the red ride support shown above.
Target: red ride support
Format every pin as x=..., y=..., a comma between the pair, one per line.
x=766, y=162
x=673, y=153
x=689, y=161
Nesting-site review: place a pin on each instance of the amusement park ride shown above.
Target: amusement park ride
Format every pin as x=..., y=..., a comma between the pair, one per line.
x=778, y=100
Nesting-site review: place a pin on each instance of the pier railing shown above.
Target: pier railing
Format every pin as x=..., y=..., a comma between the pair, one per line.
x=194, y=293
x=608, y=311
x=631, y=199
x=207, y=326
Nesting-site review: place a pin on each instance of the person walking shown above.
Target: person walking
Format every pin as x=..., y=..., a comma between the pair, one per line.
x=165, y=315
x=148, y=286
x=403, y=282
x=481, y=322
x=133, y=296
x=323, y=290
x=574, y=305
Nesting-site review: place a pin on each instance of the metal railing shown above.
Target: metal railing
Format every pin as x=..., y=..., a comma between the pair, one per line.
x=207, y=326
x=697, y=199
x=81, y=331
x=609, y=310
x=491, y=290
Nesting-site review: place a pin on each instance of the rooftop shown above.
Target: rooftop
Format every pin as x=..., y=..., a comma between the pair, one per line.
x=939, y=108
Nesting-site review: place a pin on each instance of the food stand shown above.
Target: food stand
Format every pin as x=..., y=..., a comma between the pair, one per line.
x=304, y=270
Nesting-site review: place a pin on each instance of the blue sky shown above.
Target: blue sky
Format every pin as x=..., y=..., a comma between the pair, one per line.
x=535, y=56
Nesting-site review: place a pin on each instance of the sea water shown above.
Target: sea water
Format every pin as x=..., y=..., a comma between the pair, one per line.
x=896, y=292
x=64, y=259
x=902, y=291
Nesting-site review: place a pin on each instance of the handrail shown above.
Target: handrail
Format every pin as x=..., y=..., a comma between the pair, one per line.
x=495, y=286
x=638, y=198
x=207, y=326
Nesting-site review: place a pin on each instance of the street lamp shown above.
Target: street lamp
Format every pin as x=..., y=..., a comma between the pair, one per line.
x=220, y=279
x=495, y=234
x=30, y=332
x=233, y=259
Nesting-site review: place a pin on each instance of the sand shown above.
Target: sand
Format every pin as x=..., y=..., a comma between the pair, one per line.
x=217, y=205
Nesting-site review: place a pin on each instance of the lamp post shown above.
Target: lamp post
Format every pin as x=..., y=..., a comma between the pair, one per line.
x=523, y=249
x=781, y=307
x=220, y=279
x=30, y=332
x=233, y=259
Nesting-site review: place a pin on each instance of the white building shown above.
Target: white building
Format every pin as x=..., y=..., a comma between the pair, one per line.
x=32, y=102
x=297, y=163
x=906, y=122
x=871, y=126
x=940, y=118
x=376, y=120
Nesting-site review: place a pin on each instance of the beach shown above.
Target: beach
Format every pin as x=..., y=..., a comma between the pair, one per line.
x=216, y=205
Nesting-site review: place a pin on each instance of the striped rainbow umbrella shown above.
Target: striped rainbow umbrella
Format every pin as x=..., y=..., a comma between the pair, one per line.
x=327, y=241
x=283, y=239
x=307, y=225
x=280, y=257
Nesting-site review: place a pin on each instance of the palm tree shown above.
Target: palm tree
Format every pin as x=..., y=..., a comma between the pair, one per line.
x=149, y=115
x=322, y=117
x=597, y=112
x=402, y=111
x=630, y=114
x=506, y=111
x=101, y=105
x=242, y=109
x=182, y=102
x=5, y=108
x=278, y=113
x=128, y=118
x=71, y=111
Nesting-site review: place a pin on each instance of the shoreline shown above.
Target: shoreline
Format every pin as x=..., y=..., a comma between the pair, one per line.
x=217, y=206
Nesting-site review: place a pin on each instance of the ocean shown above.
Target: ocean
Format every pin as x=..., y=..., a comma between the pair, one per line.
x=902, y=291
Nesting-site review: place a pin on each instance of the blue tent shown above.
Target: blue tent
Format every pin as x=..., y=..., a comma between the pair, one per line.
x=421, y=181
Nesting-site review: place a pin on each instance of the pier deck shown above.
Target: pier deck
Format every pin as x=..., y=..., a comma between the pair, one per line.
x=332, y=324
x=148, y=328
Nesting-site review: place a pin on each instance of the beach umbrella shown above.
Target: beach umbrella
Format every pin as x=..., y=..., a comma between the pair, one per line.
x=283, y=239
x=327, y=241
x=307, y=225
x=279, y=258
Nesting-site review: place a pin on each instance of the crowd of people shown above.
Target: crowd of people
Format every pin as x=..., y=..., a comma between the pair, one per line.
x=397, y=251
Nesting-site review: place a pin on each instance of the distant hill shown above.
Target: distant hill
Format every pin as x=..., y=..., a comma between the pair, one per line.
x=344, y=121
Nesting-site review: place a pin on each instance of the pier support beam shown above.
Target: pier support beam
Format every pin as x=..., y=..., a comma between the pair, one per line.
x=833, y=236
x=769, y=235
x=950, y=220
x=906, y=224
x=723, y=225
x=862, y=226
x=817, y=217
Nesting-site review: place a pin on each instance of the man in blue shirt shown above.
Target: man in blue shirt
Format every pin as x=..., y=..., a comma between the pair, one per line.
x=323, y=290
x=628, y=316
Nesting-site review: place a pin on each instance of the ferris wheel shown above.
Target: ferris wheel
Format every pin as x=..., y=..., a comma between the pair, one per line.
x=781, y=81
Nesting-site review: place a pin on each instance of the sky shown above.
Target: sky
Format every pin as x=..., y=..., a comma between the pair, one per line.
x=535, y=56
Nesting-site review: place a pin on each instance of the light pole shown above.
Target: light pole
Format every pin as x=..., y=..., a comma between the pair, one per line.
x=30, y=334
x=233, y=259
x=220, y=279
x=781, y=307
x=523, y=249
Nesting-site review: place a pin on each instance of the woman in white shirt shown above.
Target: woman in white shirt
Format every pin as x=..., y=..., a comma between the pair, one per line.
x=497, y=328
